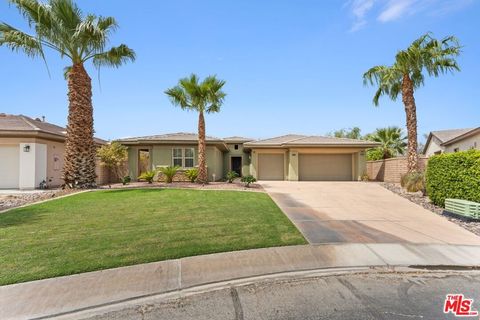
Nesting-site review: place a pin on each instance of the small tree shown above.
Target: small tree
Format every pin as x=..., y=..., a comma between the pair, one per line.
x=113, y=156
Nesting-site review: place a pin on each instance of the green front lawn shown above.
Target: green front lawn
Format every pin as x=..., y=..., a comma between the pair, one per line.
x=105, y=229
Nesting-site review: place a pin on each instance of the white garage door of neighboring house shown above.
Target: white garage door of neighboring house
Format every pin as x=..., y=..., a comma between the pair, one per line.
x=9, y=167
x=325, y=167
x=270, y=167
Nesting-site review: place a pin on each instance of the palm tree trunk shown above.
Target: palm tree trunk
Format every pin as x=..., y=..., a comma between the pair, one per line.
x=411, y=115
x=79, y=167
x=202, y=165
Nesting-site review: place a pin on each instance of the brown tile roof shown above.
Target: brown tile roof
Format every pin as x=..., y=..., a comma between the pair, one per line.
x=302, y=140
x=24, y=124
x=173, y=137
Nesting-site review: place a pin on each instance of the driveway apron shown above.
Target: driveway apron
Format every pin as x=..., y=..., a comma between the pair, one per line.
x=358, y=212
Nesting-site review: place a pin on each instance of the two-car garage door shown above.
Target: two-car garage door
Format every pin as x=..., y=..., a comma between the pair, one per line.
x=325, y=167
x=311, y=167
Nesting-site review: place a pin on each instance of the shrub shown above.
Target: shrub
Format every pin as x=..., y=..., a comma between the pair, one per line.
x=374, y=154
x=192, y=174
x=113, y=156
x=248, y=179
x=147, y=176
x=364, y=177
x=126, y=180
x=169, y=173
x=454, y=175
x=231, y=175
x=413, y=181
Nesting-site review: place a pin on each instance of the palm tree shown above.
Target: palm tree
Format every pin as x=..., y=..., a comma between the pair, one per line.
x=206, y=96
x=392, y=141
x=61, y=26
x=407, y=74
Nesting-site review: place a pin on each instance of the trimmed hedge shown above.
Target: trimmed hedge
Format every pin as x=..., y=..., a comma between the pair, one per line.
x=454, y=175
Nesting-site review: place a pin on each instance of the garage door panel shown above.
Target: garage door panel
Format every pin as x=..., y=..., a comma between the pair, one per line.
x=270, y=167
x=325, y=167
x=9, y=167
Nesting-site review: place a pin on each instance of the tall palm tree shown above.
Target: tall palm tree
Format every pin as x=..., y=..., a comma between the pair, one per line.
x=61, y=26
x=407, y=74
x=206, y=96
x=392, y=141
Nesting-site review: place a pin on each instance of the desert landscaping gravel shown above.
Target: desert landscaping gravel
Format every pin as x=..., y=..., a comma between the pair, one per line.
x=424, y=201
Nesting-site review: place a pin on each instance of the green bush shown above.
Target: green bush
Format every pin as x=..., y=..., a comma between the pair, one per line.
x=454, y=175
x=231, y=175
x=413, y=182
x=192, y=174
x=169, y=173
x=374, y=154
x=147, y=176
x=248, y=179
x=126, y=180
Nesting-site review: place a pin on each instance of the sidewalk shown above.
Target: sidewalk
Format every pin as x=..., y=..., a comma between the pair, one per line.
x=64, y=295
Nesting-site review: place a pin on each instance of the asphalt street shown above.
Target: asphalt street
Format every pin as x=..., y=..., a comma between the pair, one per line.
x=393, y=295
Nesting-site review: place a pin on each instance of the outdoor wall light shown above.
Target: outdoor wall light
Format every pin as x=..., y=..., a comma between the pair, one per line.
x=26, y=148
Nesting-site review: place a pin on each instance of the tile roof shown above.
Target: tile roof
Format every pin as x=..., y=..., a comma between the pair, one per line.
x=302, y=140
x=178, y=136
x=447, y=135
x=238, y=138
x=21, y=123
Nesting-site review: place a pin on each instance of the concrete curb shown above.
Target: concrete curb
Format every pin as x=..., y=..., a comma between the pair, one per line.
x=69, y=294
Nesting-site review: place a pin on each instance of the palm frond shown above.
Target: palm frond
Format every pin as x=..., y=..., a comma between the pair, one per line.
x=17, y=40
x=115, y=57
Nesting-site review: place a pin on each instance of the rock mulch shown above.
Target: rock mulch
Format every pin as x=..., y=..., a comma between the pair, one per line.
x=12, y=200
x=236, y=185
x=424, y=201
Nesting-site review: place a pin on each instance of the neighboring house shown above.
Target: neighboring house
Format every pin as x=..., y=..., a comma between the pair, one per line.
x=31, y=151
x=290, y=157
x=446, y=141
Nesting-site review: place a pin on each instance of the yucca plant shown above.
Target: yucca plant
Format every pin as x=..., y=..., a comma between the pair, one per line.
x=191, y=174
x=231, y=175
x=61, y=26
x=148, y=176
x=169, y=173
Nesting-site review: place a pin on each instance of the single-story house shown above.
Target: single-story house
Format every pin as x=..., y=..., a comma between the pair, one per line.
x=289, y=157
x=446, y=141
x=31, y=152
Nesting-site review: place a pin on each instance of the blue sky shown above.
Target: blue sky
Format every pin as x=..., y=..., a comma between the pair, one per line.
x=290, y=66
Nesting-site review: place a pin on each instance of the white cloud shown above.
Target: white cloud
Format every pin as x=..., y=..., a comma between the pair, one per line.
x=391, y=10
x=395, y=9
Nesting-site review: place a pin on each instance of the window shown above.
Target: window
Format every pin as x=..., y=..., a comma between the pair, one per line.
x=177, y=157
x=235, y=147
x=189, y=158
x=456, y=150
x=183, y=157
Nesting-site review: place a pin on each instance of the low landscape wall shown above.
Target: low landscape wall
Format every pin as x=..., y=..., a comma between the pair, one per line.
x=103, y=173
x=391, y=170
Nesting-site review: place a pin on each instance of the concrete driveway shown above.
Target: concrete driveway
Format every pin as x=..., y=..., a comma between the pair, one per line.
x=357, y=212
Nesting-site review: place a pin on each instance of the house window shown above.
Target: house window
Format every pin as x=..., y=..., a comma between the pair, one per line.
x=177, y=157
x=456, y=150
x=189, y=158
x=183, y=157
x=235, y=147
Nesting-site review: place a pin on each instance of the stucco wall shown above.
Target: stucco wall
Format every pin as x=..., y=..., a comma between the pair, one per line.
x=227, y=163
x=433, y=146
x=391, y=170
x=161, y=155
x=472, y=142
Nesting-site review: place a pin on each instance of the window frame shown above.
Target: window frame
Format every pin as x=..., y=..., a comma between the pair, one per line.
x=183, y=157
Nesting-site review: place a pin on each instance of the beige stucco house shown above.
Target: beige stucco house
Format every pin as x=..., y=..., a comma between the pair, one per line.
x=446, y=141
x=32, y=151
x=289, y=157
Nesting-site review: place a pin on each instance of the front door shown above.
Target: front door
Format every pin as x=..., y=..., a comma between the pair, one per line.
x=237, y=165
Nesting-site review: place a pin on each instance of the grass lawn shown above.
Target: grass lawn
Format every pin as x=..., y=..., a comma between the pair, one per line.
x=105, y=229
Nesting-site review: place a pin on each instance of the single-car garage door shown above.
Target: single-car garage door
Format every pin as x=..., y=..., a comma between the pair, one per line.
x=326, y=167
x=9, y=167
x=270, y=167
